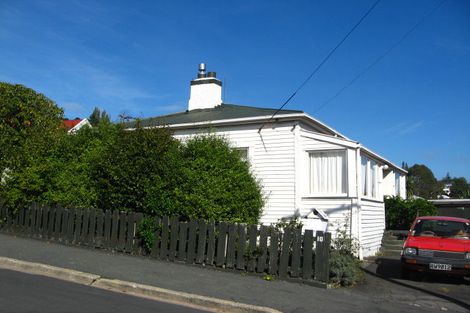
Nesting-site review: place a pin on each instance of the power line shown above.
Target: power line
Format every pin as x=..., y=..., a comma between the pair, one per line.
x=380, y=58
x=323, y=61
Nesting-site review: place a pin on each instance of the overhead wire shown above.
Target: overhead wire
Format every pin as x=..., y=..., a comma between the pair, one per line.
x=325, y=59
x=381, y=57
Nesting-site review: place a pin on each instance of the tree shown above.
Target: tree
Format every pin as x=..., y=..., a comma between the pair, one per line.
x=421, y=182
x=460, y=188
x=97, y=116
x=30, y=125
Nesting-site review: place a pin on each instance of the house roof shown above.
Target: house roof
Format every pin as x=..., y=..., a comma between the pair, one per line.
x=221, y=112
x=69, y=124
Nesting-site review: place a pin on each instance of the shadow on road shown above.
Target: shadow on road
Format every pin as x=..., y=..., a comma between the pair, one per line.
x=389, y=269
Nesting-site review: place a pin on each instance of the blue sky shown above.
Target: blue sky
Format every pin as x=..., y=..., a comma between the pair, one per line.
x=137, y=57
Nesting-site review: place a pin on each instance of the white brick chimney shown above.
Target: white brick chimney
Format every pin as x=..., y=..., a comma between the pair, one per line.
x=206, y=90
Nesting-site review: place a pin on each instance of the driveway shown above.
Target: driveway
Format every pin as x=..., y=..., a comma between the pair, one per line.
x=384, y=272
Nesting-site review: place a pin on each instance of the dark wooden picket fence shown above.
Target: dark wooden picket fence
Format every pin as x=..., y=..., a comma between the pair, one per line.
x=257, y=249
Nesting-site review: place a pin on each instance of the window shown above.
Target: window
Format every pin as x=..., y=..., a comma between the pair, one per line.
x=328, y=173
x=369, y=177
x=243, y=153
x=397, y=184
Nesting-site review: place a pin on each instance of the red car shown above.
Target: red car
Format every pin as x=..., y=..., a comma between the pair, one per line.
x=437, y=244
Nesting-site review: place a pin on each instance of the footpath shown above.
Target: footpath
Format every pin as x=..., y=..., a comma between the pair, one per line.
x=376, y=295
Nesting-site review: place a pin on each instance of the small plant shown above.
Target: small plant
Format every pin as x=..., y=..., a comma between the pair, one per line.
x=290, y=222
x=146, y=232
x=268, y=277
x=345, y=267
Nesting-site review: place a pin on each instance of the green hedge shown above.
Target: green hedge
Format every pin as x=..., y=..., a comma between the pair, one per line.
x=400, y=213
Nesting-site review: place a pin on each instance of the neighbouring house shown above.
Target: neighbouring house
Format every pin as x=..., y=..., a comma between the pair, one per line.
x=453, y=207
x=302, y=163
x=72, y=126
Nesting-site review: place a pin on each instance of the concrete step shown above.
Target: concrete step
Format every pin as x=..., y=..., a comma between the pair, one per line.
x=396, y=245
x=391, y=252
x=392, y=241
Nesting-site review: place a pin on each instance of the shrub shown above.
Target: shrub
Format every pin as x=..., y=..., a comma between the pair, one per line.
x=146, y=232
x=400, y=213
x=216, y=183
x=345, y=267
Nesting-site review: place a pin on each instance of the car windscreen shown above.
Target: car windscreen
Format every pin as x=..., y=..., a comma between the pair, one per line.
x=442, y=228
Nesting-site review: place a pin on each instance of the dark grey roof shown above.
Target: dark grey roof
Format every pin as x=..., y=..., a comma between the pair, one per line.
x=221, y=112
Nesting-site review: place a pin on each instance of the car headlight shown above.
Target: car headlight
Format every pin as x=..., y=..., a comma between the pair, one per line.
x=410, y=251
x=467, y=256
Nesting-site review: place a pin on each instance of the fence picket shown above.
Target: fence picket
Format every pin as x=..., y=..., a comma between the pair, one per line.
x=58, y=222
x=164, y=238
x=221, y=241
x=202, y=240
x=108, y=221
x=182, y=241
x=273, y=252
x=192, y=242
x=322, y=248
x=232, y=237
x=285, y=252
x=32, y=225
x=174, y=226
x=78, y=226
x=252, y=253
x=241, y=244
x=263, y=243
x=98, y=236
x=45, y=221
x=91, y=228
x=137, y=241
x=130, y=231
x=86, y=221
x=210, y=243
x=154, y=253
x=114, y=230
x=307, y=266
x=70, y=226
x=122, y=231
x=296, y=248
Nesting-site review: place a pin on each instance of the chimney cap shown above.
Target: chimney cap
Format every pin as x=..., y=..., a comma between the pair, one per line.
x=202, y=71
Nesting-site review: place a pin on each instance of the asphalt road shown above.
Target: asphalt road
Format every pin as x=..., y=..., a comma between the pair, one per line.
x=23, y=293
x=384, y=275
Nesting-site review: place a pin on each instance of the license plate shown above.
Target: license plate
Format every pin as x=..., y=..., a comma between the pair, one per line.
x=440, y=267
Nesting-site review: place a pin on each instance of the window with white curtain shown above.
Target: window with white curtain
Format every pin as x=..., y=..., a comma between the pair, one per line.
x=397, y=184
x=369, y=177
x=328, y=173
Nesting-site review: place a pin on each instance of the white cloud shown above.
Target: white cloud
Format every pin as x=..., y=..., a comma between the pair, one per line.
x=405, y=128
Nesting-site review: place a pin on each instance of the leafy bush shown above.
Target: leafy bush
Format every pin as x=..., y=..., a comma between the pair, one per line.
x=139, y=172
x=400, y=213
x=345, y=267
x=216, y=183
x=146, y=232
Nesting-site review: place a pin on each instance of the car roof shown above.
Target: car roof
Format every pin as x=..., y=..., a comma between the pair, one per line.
x=444, y=218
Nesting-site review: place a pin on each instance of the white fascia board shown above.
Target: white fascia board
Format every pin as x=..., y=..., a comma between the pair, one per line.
x=232, y=121
x=332, y=130
x=384, y=160
x=330, y=139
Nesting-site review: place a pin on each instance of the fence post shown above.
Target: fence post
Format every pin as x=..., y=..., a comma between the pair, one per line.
x=322, y=256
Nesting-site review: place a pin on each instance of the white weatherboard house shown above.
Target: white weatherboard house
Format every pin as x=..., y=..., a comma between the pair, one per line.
x=301, y=163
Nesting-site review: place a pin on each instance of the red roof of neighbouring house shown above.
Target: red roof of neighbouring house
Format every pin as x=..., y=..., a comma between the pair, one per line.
x=69, y=124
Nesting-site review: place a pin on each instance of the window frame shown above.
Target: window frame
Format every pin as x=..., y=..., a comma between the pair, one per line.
x=345, y=174
x=372, y=181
